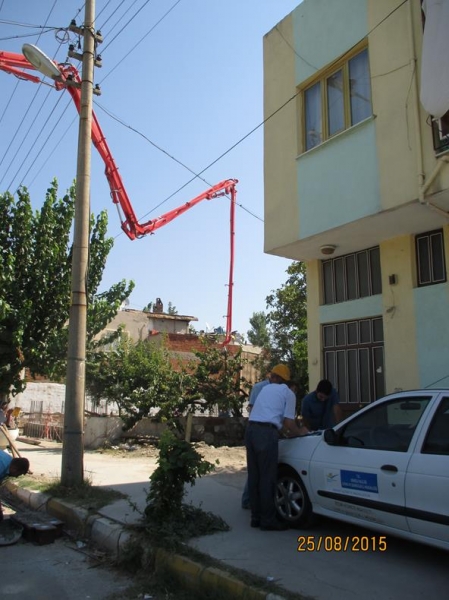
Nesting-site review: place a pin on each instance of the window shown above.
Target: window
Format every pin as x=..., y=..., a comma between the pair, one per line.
x=430, y=258
x=354, y=359
x=437, y=440
x=388, y=426
x=352, y=276
x=337, y=101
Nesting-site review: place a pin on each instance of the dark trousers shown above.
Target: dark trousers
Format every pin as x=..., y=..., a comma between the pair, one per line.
x=262, y=459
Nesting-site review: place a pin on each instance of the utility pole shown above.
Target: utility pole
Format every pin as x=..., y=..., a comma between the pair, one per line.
x=72, y=469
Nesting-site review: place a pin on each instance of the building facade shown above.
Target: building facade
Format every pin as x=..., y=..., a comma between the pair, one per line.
x=357, y=187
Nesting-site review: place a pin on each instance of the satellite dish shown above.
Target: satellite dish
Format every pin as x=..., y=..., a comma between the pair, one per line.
x=40, y=61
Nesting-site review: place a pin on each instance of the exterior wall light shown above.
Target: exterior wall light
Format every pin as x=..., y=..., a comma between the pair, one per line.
x=328, y=249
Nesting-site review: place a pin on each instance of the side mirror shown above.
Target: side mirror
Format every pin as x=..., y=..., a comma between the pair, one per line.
x=331, y=437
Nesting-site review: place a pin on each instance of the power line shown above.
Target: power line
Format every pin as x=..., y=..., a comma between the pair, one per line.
x=29, y=107
x=141, y=39
x=196, y=175
x=126, y=25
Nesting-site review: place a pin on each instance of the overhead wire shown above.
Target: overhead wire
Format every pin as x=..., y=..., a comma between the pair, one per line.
x=35, y=142
x=26, y=113
x=103, y=25
x=265, y=120
x=141, y=40
x=104, y=48
x=61, y=41
x=260, y=124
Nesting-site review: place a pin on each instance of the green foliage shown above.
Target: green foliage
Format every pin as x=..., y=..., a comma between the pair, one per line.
x=217, y=380
x=172, y=310
x=259, y=334
x=178, y=463
x=138, y=377
x=35, y=271
x=286, y=324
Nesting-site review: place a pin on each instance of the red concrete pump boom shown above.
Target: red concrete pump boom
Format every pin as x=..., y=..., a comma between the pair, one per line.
x=69, y=78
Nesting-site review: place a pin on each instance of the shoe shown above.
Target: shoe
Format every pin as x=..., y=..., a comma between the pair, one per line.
x=277, y=526
x=255, y=523
x=246, y=506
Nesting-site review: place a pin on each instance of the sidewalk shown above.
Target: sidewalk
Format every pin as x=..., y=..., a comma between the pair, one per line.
x=219, y=493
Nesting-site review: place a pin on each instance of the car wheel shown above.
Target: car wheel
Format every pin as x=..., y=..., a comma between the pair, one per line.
x=292, y=501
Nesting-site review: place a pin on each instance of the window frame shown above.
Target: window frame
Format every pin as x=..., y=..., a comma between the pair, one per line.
x=419, y=264
x=328, y=270
x=363, y=354
x=341, y=65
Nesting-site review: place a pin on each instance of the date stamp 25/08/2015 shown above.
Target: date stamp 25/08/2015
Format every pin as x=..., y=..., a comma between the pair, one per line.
x=354, y=543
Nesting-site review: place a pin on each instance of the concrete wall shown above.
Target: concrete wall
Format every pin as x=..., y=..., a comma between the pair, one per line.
x=99, y=430
x=215, y=431
x=280, y=138
x=52, y=396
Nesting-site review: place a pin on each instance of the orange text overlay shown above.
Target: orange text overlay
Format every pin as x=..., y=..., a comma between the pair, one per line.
x=354, y=543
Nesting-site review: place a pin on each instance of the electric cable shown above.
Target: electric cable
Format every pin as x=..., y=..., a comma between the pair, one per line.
x=126, y=25
x=141, y=40
x=27, y=111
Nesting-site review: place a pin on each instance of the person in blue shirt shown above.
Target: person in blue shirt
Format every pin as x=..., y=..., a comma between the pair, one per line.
x=11, y=467
x=273, y=412
x=255, y=391
x=320, y=409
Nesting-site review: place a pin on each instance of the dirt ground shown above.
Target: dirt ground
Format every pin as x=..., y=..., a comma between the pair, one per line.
x=227, y=456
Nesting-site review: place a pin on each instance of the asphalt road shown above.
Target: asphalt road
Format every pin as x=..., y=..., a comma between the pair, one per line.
x=55, y=571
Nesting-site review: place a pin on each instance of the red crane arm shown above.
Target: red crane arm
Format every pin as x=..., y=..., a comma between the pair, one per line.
x=17, y=64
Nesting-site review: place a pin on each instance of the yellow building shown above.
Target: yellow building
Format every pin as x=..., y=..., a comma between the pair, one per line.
x=357, y=187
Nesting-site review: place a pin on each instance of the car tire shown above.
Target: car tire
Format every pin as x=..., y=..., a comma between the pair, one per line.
x=292, y=501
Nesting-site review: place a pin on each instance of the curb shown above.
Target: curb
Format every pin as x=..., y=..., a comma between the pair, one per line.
x=111, y=536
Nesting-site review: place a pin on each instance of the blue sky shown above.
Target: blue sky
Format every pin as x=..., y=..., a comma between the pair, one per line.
x=193, y=86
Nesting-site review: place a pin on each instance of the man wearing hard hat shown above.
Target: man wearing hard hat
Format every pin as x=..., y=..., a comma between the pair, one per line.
x=273, y=411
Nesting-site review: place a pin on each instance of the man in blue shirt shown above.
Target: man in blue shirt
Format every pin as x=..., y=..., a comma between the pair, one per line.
x=320, y=409
x=255, y=391
x=12, y=467
x=274, y=410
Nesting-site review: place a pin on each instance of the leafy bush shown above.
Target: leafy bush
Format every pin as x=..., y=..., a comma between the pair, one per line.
x=178, y=463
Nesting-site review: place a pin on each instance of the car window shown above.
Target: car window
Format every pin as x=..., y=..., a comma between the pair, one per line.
x=386, y=426
x=437, y=439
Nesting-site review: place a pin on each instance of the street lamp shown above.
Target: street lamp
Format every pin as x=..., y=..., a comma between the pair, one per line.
x=41, y=61
x=72, y=468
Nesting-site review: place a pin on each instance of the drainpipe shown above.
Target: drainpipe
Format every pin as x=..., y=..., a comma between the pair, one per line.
x=416, y=115
x=424, y=187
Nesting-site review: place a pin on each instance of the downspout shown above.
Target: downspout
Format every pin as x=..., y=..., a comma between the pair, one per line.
x=423, y=183
x=416, y=115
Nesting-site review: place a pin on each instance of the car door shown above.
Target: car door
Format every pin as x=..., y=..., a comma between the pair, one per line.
x=361, y=473
x=427, y=478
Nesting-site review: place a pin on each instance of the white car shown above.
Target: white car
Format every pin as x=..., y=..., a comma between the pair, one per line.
x=385, y=467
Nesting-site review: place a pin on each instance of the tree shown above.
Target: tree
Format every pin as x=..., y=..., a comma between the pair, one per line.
x=35, y=273
x=137, y=377
x=287, y=319
x=148, y=308
x=217, y=379
x=172, y=310
x=282, y=330
x=259, y=334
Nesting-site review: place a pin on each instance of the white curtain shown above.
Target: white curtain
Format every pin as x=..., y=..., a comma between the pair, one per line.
x=435, y=58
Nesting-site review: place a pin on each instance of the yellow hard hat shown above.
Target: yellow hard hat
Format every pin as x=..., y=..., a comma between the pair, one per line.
x=282, y=370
